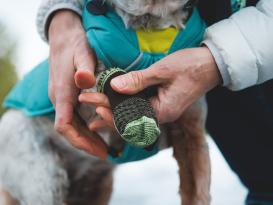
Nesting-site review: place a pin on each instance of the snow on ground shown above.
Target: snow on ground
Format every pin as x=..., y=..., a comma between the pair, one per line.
x=149, y=182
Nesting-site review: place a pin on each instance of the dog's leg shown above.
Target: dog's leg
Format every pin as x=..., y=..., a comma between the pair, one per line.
x=192, y=155
x=93, y=187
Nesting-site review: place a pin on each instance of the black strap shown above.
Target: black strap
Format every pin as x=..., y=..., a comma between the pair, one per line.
x=190, y=5
x=213, y=11
x=251, y=2
x=96, y=7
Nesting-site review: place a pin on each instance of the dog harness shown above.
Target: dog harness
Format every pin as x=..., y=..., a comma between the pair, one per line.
x=115, y=46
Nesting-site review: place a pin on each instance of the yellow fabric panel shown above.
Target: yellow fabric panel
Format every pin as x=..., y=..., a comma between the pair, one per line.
x=156, y=41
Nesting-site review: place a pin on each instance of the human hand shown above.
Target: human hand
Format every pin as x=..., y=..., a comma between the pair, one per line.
x=182, y=77
x=101, y=102
x=69, y=50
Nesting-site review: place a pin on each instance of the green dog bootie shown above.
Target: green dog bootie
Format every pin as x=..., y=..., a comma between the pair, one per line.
x=134, y=117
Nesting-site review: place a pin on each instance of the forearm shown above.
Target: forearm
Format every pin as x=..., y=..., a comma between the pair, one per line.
x=48, y=8
x=245, y=44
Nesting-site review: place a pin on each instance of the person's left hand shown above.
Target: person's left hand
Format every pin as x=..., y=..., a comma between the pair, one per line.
x=69, y=49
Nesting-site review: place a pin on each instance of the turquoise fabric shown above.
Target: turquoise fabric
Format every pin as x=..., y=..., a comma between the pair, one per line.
x=31, y=93
x=116, y=46
x=236, y=5
x=132, y=154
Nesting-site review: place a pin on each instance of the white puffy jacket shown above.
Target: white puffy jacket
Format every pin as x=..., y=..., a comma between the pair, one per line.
x=242, y=44
x=245, y=42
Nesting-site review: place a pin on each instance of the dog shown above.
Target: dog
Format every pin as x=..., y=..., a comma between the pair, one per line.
x=38, y=166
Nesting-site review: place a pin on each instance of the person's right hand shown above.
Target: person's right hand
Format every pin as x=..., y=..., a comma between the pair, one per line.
x=182, y=77
x=72, y=65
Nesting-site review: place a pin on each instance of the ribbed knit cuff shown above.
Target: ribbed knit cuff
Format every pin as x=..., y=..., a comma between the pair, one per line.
x=48, y=7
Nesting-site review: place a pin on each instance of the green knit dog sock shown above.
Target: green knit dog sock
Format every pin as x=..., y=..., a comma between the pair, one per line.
x=134, y=117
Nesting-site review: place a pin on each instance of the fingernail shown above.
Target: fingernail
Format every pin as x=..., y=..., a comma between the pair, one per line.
x=119, y=83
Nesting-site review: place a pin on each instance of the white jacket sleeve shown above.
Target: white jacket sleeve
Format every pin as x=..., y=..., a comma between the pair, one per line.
x=245, y=42
x=48, y=7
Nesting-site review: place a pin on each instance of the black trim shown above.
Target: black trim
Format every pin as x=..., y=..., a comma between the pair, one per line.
x=190, y=5
x=213, y=11
x=251, y=2
x=96, y=7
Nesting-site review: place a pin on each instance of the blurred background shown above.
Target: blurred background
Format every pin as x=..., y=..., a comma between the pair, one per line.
x=149, y=182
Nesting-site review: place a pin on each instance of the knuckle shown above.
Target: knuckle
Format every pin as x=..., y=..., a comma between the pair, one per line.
x=137, y=79
x=164, y=69
x=59, y=127
x=161, y=71
x=105, y=102
x=59, y=86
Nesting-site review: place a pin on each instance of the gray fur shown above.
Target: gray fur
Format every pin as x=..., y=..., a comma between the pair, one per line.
x=28, y=167
x=38, y=166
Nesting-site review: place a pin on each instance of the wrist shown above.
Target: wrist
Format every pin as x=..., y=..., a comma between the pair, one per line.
x=209, y=71
x=221, y=65
x=65, y=26
x=213, y=75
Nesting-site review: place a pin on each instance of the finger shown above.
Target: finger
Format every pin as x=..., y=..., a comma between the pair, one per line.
x=51, y=91
x=96, y=99
x=93, y=145
x=84, y=79
x=97, y=147
x=64, y=114
x=88, y=141
x=106, y=114
x=65, y=126
x=135, y=81
x=85, y=62
x=61, y=87
x=98, y=125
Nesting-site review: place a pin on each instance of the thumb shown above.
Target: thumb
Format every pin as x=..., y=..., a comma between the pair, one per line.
x=136, y=81
x=85, y=63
